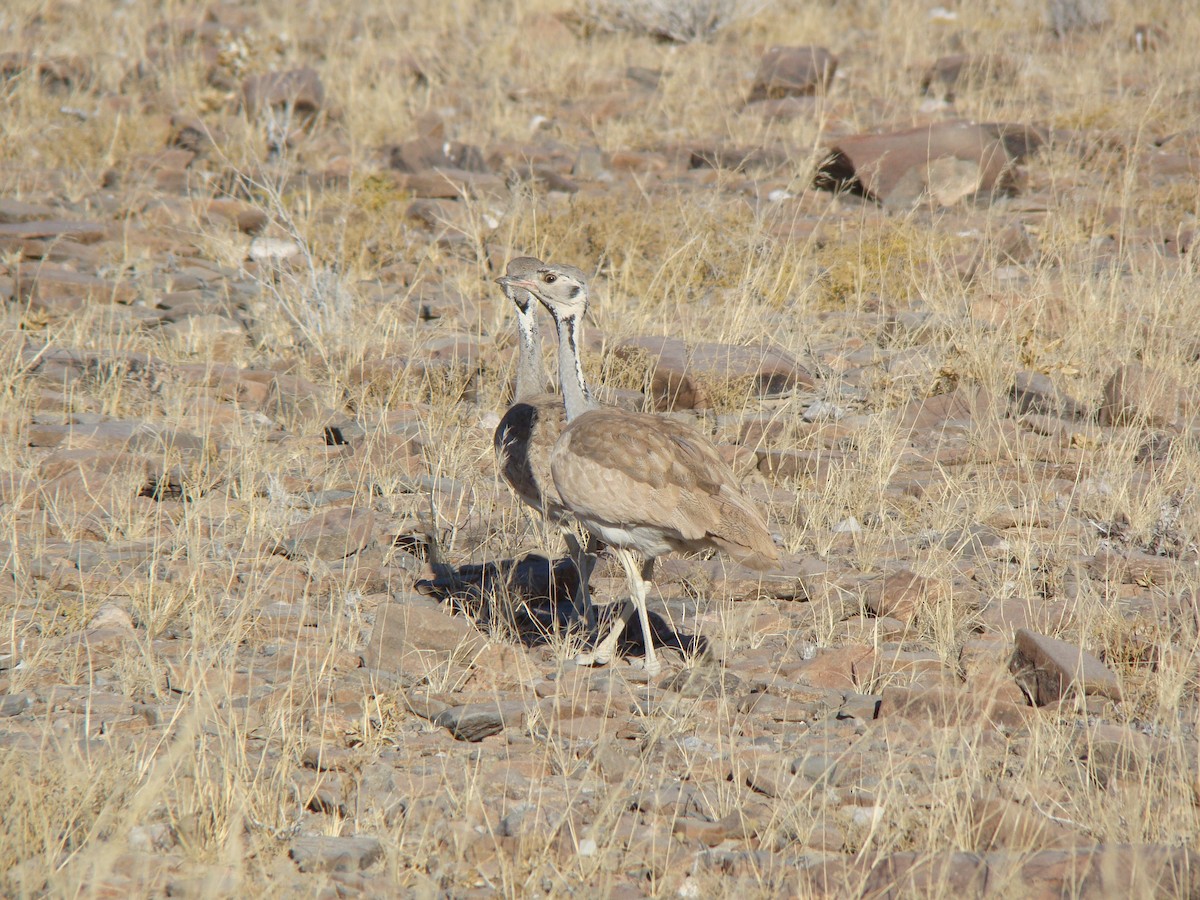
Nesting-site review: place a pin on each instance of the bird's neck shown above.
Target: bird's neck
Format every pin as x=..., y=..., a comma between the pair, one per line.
x=530, y=376
x=576, y=397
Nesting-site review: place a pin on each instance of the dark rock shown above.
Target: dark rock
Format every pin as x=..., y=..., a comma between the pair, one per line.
x=476, y=721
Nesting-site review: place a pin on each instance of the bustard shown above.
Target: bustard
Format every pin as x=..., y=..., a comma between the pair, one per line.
x=528, y=430
x=638, y=481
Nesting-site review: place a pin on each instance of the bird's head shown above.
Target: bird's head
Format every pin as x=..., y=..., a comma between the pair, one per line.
x=523, y=267
x=561, y=289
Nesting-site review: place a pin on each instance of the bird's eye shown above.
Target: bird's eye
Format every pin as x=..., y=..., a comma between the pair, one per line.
x=550, y=278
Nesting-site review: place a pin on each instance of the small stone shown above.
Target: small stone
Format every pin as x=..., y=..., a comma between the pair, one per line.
x=476, y=721
x=903, y=594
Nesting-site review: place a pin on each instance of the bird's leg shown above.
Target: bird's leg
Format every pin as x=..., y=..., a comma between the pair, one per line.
x=585, y=561
x=640, y=582
x=605, y=651
x=607, y=648
x=640, y=588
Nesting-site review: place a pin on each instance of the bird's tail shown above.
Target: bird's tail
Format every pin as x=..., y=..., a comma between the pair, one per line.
x=743, y=533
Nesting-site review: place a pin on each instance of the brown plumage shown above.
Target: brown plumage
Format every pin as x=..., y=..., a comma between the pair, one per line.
x=639, y=482
x=623, y=470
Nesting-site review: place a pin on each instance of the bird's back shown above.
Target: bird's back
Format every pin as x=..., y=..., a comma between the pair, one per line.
x=645, y=475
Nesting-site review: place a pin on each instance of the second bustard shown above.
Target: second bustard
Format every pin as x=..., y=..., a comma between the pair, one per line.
x=638, y=481
x=529, y=429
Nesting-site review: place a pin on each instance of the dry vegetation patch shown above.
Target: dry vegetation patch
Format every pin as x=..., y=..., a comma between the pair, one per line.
x=271, y=623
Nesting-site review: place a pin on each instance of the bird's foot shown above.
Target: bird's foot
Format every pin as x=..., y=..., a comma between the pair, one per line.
x=653, y=668
x=593, y=658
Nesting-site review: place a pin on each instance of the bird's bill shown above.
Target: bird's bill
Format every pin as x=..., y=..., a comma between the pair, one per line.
x=514, y=281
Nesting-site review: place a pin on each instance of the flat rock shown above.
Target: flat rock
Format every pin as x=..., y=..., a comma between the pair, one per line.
x=792, y=72
x=418, y=635
x=326, y=853
x=902, y=163
x=694, y=377
x=476, y=721
x=1139, y=395
x=1050, y=669
x=333, y=534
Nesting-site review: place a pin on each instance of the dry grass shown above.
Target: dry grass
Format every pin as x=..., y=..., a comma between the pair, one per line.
x=223, y=692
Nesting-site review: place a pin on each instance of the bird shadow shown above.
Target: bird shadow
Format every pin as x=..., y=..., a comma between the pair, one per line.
x=529, y=598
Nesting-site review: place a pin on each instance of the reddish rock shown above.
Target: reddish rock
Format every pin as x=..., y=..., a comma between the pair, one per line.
x=902, y=595
x=330, y=535
x=419, y=636
x=684, y=377
x=1138, y=395
x=792, y=72
x=875, y=166
x=299, y=91
x=1050, y=669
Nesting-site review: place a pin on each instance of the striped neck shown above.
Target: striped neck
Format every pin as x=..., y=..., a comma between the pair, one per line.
x=576, y=397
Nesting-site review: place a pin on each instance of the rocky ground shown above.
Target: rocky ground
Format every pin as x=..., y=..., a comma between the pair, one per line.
x=273, y=624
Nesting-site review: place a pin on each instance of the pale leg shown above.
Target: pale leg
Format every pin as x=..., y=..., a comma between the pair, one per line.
x=639, y=586
x=607, y=649
x=641, y=589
